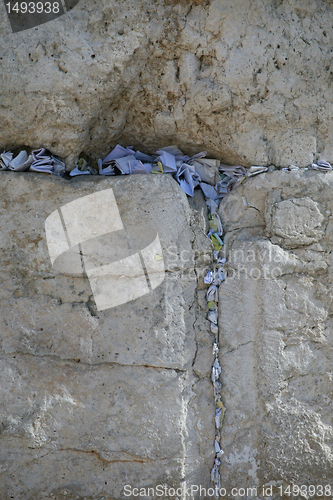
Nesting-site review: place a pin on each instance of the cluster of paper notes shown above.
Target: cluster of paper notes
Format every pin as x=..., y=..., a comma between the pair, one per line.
x=217, y=180
x=37, y=161
x=214, y=178
x=213, y=279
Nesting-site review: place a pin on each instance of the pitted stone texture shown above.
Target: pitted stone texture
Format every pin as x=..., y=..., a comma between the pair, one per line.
x=276, y=332
x=249, y=82
x=63, y=400
x=296, y=221
x=93, y=400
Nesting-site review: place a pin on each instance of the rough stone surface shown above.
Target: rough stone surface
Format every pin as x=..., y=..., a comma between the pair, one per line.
x=248, y=81
x=93, y=400
x=276, y=332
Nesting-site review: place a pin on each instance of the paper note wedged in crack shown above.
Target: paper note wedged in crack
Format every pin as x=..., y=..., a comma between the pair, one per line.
x=87, y=237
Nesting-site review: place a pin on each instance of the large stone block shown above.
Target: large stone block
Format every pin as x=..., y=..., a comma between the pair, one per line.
x=276, y=332
x=249, y=81
x=92, y=400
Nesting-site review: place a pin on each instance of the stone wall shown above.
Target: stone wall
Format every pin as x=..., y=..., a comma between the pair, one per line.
x=94, y=400
x=248, y=81
x=276, y=332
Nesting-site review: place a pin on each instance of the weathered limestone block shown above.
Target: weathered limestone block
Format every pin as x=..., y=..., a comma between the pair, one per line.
x=248, y=81
x=296, y=221
x=276, y=332
x=93, y=400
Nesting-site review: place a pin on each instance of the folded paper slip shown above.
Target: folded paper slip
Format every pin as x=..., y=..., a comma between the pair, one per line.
x=130, y=165
x=212, y=206
x=212, y=294
x=217, y=446
x=142, y=168
x=198, y=156
x=187, y=178
x=40, y=158
x=217, y=391
x=42, y=162
x=80, y=169
x=172, y=150
x=77, y=171
x=226, y=184
x=5, y=159
x=109, y=170
x=212, y=224
x=222, y=189
x=216, y=370
x=210, y=162
x=219, y=452
x=291, y=168
x=321, y=165
x=215, y=224
x=209, y=191
x=220, y=411
x=125, y=163
x=180, y=156
x=82, y=165
x=234, y=171
x=211, y=305
x=215, y=256
x=255, y=170
x=216, y=477
x=168, y=161
x=209, y=277
x=212, y=316
x=219, y=277
x=18, y=160
x=208, y=174
x=148, y=167
x=46, y=169
x=118, y=152
x=217, y=242
x=21, y=163
x=144, y=158
x=158, y=169
x=218, y=417
x=214, y=329
x=59, y=167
